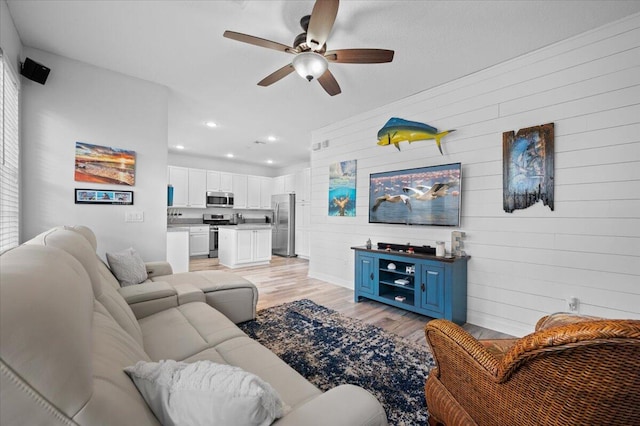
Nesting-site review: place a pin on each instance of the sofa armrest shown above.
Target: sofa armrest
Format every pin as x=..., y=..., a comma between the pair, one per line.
x=149, y=297
x=188, y=293
x=155, y=269
x=345, y=405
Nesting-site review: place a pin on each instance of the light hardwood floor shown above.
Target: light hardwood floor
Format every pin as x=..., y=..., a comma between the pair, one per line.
x=286, y=280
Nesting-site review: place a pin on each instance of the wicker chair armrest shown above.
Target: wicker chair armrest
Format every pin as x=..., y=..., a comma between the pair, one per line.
x=561, y=319
x=460, y=341
x=556, y=339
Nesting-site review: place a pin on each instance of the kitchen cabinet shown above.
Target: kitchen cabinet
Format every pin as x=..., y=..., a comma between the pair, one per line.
x=179, y=179
x=199, y=240
x=303, y=185
x=289, y=183
x=213, y=181
x=253, y=192
x=239, y=191
x=244, y=247
x=284, y=184
x=226, y=182
x=303, y=229
x=197, y=188
x=189, y=187
x=266, y=191
x=278, y=185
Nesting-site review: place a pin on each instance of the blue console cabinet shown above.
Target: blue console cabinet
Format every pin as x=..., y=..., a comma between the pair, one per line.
x=428, y=285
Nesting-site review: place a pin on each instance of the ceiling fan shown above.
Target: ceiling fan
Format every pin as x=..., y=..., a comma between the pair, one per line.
x=312, y=58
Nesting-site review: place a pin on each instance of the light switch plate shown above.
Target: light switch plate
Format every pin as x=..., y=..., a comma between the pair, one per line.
x=136, y=216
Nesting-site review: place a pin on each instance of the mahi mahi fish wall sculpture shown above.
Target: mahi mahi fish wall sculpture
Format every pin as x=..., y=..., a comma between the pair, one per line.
x=398, y=130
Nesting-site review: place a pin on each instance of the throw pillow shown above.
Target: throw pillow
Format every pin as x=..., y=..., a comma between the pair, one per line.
x=128, y=267
x=205, y=393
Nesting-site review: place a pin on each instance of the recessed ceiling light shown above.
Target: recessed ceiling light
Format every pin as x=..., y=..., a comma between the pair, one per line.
x=179, y=146
x=270, y=161
x=271, y=138
x=230, y=155
x=210, y=124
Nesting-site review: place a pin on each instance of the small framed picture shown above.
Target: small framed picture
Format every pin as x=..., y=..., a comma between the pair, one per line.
x=102, y=196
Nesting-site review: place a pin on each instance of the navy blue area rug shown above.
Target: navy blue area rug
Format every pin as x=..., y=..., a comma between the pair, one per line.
x=330, y=349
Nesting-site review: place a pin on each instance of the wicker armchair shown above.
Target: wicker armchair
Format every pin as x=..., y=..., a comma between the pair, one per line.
x=570, y=371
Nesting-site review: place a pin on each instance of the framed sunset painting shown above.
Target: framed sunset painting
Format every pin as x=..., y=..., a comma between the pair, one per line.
x=103, y=164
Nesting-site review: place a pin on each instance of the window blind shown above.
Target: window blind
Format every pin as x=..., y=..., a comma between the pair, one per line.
x=9, y=157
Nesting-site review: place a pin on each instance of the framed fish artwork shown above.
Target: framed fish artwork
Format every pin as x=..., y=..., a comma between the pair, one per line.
x=527, y=162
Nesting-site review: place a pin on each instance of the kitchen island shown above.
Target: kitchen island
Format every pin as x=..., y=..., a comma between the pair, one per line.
x=244, y=245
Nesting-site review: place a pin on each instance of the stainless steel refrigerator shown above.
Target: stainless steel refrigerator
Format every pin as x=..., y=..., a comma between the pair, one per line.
x=283, y=239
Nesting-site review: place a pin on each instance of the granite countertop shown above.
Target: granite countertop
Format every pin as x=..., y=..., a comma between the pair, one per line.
x=247, y=226
x=177, y=228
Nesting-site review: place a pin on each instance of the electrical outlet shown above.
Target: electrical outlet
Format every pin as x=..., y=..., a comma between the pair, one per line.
x=572, y=304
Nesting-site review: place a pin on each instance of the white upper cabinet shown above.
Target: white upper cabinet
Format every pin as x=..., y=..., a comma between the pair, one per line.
x=253, y=192
x=226, y=182
x=240, y=191
x=303, y=185
x=197, y=188
x=278, y=185
x=189, y=187
x=266, y=190
x=289, y=184
x=179, y=179
x=213, y=181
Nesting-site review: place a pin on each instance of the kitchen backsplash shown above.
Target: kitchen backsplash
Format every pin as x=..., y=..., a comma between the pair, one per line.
x=178, y=215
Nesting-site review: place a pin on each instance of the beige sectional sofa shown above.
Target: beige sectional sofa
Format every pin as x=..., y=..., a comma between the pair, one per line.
x=67, y=333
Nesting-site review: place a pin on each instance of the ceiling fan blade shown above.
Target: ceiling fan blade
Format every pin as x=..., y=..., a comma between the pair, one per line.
x=359, y=56
x=322, y=18
x=276, y=76
x=257, y=41
x=329, y=83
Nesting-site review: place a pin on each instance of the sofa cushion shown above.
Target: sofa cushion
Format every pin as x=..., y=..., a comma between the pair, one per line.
x=205, y=393
x=185, y=330
x=127, y=266
x=77, y=245
x=225, y=291
x=251, y=356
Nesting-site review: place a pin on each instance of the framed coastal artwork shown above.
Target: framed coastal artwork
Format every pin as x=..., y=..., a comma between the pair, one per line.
x=342, y=188
x=527, y=162
x=103, y=196
x=103, y=164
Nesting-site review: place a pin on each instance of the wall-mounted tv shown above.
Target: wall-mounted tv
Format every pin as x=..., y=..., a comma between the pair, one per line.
x=421, y=196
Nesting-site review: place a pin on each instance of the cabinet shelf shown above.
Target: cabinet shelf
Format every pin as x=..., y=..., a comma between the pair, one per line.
x=394, y=271
x=408, y=286
x=437, y=288
x=391, y=297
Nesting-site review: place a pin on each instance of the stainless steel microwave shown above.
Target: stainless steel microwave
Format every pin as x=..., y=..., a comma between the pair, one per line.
x=219, y=199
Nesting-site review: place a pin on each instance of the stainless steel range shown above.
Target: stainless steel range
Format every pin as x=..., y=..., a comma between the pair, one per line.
x=214, y=220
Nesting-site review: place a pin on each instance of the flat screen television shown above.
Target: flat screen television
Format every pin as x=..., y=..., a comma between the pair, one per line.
x=421, y=196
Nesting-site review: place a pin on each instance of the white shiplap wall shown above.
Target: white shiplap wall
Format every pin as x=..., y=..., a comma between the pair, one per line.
x=524, y=264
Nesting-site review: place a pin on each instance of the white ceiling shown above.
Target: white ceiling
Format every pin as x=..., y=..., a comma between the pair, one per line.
x=179, y=44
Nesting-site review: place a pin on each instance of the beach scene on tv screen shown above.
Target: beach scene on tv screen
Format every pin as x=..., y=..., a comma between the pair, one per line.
x=420, y=196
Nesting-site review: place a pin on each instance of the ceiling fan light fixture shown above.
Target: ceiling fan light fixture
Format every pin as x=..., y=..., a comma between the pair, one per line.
x=310, y=65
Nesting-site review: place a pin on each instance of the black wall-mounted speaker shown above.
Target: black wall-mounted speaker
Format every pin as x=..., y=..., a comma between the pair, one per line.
x=34, y=71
